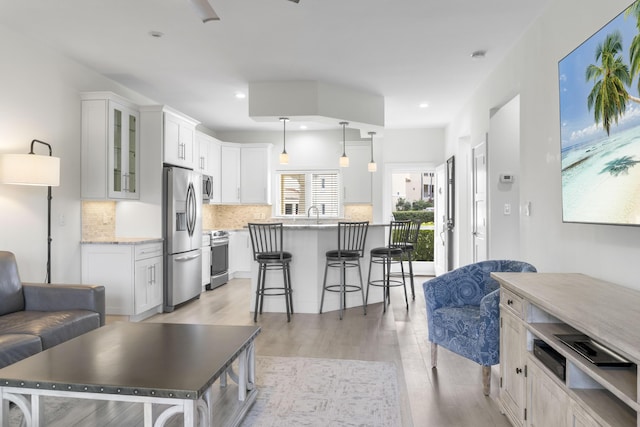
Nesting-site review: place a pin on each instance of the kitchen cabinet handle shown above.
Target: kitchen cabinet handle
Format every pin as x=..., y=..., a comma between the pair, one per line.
x=509, y=302
x=518, y=370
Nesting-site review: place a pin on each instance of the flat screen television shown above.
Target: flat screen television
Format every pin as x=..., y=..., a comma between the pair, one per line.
x=600, y=124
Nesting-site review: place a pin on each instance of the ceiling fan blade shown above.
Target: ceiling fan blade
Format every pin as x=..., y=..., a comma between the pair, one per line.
x=205, y=11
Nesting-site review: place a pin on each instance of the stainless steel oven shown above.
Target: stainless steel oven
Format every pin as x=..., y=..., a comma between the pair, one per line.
x=219, y=258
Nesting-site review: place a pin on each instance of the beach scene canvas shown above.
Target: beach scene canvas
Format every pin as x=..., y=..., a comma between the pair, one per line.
x=600, y=124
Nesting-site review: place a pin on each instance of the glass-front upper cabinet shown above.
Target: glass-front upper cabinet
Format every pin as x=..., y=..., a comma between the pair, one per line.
x=123, y=177
x=110, y=162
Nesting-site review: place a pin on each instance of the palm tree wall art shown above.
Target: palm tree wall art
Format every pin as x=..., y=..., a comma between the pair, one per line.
x=600, y=124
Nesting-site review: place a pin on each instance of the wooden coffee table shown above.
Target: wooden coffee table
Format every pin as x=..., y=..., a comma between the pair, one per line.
x=148, y=363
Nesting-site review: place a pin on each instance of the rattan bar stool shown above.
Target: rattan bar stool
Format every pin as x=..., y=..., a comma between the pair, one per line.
x=352, y=237
x=266, y=240
x=386, y=257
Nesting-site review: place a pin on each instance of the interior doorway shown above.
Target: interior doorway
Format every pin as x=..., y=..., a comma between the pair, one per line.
x=411, y=194
x=479, y=176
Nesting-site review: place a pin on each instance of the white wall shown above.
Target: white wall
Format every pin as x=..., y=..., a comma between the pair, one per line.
x=606, y=252
x=40, y=100
x=504, y=151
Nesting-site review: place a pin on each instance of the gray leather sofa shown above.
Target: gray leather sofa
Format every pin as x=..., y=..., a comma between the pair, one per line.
x=35, y=317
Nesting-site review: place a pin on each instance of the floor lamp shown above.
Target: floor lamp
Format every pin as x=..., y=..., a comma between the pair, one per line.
x=32, y=169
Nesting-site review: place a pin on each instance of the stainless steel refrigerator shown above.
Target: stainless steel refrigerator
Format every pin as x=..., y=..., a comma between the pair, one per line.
x=182, y=224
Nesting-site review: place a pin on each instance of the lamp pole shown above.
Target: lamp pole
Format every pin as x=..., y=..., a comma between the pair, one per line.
x=49, y=197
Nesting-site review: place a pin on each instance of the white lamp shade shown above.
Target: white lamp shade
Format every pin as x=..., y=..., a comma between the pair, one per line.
x=284, y=158
x=344, y=162
x=372, y=167
x=29, y=169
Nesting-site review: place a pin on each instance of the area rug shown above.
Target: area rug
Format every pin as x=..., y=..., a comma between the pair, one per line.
x=296, y=391
x=293, y=391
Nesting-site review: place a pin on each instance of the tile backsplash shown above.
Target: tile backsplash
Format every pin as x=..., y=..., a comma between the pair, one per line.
x=229, y=217
x=98, y=221
x=99, y=218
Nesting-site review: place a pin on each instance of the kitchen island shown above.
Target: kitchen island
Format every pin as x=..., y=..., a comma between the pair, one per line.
x=308, y=242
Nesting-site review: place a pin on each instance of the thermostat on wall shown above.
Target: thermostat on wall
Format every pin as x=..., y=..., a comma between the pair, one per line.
x=506, y=177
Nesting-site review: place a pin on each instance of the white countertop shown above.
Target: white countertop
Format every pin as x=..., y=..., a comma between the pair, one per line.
x=312, y=225
x=123, y=241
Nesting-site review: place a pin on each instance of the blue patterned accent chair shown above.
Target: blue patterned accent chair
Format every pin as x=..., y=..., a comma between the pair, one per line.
x=463, y=312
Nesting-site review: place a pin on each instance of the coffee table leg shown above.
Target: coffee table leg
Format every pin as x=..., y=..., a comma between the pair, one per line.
x=208, y=402
x=242, y=375
x=148, y=414
x=246, y=371
x=251, y=362
x=189, y=413
x=4, y=409
x=37, y=410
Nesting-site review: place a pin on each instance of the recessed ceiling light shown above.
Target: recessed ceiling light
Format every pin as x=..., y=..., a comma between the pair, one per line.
x=478, y=54
x=423, y=105
x=240, y=95
x=303, y=127
x=156, y=34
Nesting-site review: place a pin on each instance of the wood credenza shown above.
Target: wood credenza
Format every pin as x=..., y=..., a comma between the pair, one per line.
x=539, y=306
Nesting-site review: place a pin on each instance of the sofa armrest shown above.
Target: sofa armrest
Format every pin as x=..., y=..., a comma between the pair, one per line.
x=46, y=297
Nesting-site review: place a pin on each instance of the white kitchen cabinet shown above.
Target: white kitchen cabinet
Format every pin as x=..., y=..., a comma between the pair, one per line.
x=148, y=281
x=246, y=173
x=110, y=147
x=209, y=162
x=230, y=173
x=240, y=254
x=215, y=160
x=179, y=140
x=131, y=274
x=356, y=178
x=255, y=174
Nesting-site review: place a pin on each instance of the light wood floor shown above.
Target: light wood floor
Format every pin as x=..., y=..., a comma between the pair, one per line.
x=449, y=396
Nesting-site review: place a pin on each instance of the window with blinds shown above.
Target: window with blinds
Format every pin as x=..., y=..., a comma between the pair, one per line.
x=301, y=190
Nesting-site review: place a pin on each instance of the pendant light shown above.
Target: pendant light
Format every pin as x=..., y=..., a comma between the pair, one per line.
x=284, y=157
x=344, y=160
x=372, y=165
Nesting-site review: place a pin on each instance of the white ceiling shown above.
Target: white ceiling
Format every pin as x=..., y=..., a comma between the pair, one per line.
x=409, y=51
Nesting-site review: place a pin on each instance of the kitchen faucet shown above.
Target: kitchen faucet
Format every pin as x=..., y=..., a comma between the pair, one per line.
x=317, y=213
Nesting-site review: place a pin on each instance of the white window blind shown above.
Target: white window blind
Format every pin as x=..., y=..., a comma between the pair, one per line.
x=301, y=190
x=292, y=194
x=324, y=193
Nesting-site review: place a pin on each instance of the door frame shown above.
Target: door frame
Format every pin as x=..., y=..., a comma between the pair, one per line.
x=479, y=186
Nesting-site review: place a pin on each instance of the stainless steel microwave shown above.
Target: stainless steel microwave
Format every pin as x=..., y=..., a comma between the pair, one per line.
x=207, y=188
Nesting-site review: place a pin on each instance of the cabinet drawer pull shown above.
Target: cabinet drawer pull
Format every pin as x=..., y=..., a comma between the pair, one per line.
x=509, y=302
x=518, y=370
